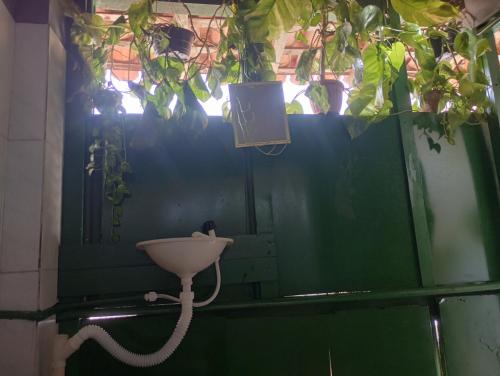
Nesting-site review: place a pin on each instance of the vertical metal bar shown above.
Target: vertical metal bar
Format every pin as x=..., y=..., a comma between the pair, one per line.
x=492, y=69
x=74, y=148
x=250, y=193
x=414, y=173
x=436, y=323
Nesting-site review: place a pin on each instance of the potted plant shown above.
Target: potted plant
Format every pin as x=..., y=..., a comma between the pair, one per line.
x=180, y=41
x=454, y=87
x=328, y=43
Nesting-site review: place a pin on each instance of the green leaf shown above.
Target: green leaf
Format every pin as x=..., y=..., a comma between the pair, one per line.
x=138, y=15
x=226, y=111
x=371, y=18
x=215, y=76
x=355, y=126
x=294, y=107
x=319, y=95
x=116, y=30
x=425, y=12
x=301, y=37
x=373, y=66
x=463, y=45
x=275, y=17
x=397, y=56
x=482, y=47
x=161, y=100
x=197, y=84
x=305, y=64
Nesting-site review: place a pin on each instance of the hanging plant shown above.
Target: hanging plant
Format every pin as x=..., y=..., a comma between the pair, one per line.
x=167, y=73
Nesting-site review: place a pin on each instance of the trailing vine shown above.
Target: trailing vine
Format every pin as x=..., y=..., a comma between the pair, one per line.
x=348, y=37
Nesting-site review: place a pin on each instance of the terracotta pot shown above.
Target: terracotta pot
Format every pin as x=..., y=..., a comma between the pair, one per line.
x=181, y=41
x=335, y=89
x=432, y=99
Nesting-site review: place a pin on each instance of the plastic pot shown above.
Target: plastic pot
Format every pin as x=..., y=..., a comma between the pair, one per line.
x=181, y=41
x=335, y=89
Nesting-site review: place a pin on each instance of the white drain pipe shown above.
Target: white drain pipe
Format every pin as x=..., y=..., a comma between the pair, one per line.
x=65, y=346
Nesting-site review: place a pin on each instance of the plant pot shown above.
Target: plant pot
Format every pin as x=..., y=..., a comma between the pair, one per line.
x=181, y=41
x=431, y=101
x=438, y=45
x=335, y=89
x=258, y=114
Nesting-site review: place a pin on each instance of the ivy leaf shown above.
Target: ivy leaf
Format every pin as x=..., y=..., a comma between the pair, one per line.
x=355, y=126
x=373, y=66
x=482, y=47
x=425, y=12
x=215, y=76
x=275, y=16
x=138, y=15
x=301, y=37
x=371, y=18
x=463, y=45
x=197, y=84
x=397, y=56
x=161, y=100
x=226, y=111
x=116, y=30
x=305, y=64
x=319, y=95
x=294, y=107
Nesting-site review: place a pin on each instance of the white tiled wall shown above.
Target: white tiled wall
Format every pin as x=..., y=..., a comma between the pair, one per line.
x=7, y=39
x=19, y=343
x=32, y=98
x=23, y=206
x=28, y=345
x=32, y=186
x=29, y=93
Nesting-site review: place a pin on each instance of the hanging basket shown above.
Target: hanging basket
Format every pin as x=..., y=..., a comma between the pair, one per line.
x=181, y=41
x=258, y=114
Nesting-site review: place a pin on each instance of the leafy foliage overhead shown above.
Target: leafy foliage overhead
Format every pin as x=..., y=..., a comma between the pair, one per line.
x=425, y=12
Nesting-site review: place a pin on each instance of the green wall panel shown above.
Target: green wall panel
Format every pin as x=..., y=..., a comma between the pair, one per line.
x=202, y=352
x=383, y=342
x=340, y=208
x=278, y=346
x=183, y=180
x=471, y=335
x=462, y=208
x=377, y=342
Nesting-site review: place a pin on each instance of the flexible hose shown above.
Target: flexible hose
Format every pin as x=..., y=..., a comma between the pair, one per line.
x=153, y=296
x=139, y=360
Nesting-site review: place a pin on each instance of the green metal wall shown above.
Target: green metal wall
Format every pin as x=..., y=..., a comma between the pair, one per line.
x=330, y=214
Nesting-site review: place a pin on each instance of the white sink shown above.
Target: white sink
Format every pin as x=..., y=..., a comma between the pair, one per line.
x=185, y=256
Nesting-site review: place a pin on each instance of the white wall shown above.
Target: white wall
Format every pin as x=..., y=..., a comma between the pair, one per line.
x=7, y=34
x=32, y=98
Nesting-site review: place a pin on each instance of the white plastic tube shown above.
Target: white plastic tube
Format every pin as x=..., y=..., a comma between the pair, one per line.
x=97, y=333
x=153, y=296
